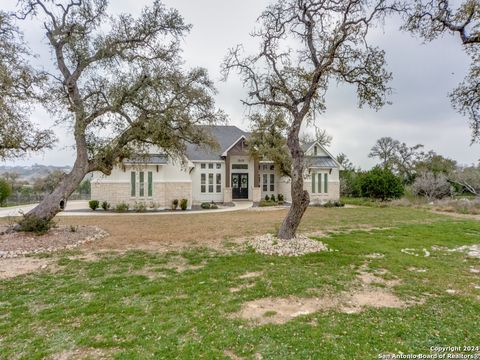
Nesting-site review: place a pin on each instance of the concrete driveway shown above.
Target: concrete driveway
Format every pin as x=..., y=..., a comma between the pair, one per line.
x=80, y=208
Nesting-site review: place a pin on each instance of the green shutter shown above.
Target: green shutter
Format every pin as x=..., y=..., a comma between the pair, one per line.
x=133, y=180
x=150, y=184
x=319, y=183
x=313, y=183
x=326, y=183
x=142, y=184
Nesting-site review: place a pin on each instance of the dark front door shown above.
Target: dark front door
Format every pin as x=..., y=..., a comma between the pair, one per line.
x=240, y=186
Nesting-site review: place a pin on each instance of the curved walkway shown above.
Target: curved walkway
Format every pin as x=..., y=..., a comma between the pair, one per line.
x=80, y=208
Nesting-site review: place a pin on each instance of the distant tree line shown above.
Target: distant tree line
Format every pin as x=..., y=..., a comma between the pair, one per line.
x=403, y=168
x=15, y=191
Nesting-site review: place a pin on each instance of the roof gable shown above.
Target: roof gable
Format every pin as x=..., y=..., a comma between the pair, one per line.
x=225, y=135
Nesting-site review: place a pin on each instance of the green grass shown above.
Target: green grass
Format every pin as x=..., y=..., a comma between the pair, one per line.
x=118, y=304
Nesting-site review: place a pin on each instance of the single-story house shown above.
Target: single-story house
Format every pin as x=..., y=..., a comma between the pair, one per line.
x=219, y=176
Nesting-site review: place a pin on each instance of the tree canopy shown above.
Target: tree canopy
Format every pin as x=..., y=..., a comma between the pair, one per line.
x=120, y=84
x=19, y=89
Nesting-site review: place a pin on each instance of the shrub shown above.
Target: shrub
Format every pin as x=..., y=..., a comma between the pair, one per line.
x=264, y=203
x=332, y=204
x=280, y=198
x=380, y=183
x=122, y=207
x=140, y=207
x=174, y=204
x=431, y=185
x=39, y=226
x=183, y=204
x=105, y=205
x=205, y=205
x=94, y=204
x=267, y=198
x=5, y=191
x=272, y=198
x=153, y=205
x=213, y=206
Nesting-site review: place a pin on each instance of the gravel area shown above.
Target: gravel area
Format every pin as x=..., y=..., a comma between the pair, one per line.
x=14, y=244
x=300, y=245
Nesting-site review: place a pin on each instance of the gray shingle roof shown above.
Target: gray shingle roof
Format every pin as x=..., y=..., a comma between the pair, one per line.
x=225, y=135
x=320, y=162
x=155, y=159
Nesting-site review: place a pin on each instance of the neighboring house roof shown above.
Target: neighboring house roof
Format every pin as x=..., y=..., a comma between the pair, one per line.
x=152, y=159
x=320, y=162
x=225, y=135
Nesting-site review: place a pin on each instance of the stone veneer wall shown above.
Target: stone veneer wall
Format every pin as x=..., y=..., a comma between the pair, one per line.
x=163, y=193
x=333, y=194
x=114, y=193
x=227, y=195
x=178, y=190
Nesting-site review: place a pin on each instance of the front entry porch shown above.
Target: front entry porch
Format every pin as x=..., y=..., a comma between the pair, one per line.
x=239, y=186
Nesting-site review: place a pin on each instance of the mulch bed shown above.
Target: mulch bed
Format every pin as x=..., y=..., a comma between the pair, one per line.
x=14, y=244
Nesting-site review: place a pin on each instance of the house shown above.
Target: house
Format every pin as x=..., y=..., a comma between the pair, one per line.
x=221, y=176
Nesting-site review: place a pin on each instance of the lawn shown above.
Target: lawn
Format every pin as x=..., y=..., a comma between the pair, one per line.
x=185, y=303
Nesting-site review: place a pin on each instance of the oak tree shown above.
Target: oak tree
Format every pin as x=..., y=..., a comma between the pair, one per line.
x=120, y=84
x=303, y=46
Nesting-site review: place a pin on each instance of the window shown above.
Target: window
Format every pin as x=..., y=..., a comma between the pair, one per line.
x=264, y=167
x=219, y=165
x=314, y=190
x=272, y=167
x=133, y=180
x=203, y=166
x=203, y=183
x=210, y=183
x=150, y=184
x=319, y=190
x=219, y=182
x=272, y=182
x=265, y=182
x=325, y=182
x=315, y=150
x=210, y=165
x=240, y=166
x=142, y=183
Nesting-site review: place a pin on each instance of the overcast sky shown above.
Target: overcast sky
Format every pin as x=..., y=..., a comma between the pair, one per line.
x=423, y=76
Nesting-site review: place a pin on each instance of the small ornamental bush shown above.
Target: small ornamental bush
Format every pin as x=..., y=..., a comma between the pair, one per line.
x=272, y=198
x=382, y=184
x=183, y=204
x=5, y=191
x=94, y=204
x=122, y=207
x=280, y=198
x=267, y=198
x=213, y=206
x=174, y=204
x=33, y=224
x=205, y=205
x=140, y=207
x=105, y=205
x=264, y=203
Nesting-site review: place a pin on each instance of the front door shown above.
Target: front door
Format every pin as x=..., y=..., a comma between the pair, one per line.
x=240, y=186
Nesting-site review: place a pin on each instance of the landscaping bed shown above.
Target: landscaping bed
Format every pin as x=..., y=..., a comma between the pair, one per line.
x=14, y=244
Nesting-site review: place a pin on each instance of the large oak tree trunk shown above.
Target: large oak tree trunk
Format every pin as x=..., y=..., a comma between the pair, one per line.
x=56, y=201
x=300, y=197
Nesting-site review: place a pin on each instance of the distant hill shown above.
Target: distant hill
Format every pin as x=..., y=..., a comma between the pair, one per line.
x=28, y=173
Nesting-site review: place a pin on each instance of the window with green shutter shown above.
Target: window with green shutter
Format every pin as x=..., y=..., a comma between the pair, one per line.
x=325, y=183
x=142, y=183
x=313, y=183
x=319, y=185
x=133, y=179
x=150, y=184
